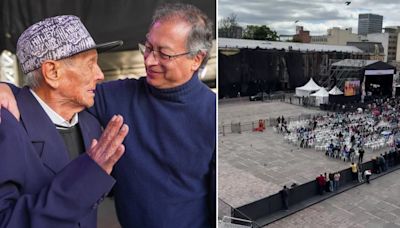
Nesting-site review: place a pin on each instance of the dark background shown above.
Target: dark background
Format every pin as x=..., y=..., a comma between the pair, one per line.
x=106, y=20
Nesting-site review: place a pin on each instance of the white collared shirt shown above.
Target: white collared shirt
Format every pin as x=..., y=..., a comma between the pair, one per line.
x=55, y=117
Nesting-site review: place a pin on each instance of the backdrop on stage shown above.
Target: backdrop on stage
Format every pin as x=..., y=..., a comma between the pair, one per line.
x=352, y=87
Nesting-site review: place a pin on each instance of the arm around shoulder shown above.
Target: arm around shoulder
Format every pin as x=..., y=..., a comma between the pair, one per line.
x=7, y=98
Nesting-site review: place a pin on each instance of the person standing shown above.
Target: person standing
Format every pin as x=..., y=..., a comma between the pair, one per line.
x=285, y=197
x=354, y=171
x=167, y=177
x=336, y=182
x=360, y=155
x=331, y=182
x=321, y=184
x=352, y=154
x=382, y=163
x=327, y=185
x=367, y=174
x=376, y=165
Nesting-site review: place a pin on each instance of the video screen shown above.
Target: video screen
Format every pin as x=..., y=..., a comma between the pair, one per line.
x=352, y=87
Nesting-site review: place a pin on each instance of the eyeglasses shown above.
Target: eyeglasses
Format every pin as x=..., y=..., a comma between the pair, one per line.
x=146, y=50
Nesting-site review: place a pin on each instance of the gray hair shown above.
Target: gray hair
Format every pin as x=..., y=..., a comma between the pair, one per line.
x=200, y=36
x=33, y=78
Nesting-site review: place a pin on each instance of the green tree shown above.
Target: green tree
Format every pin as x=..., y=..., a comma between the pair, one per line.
x=255, y=32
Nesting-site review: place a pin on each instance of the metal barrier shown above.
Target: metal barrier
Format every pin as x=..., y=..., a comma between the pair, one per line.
x=270, y=205
x=239, y=127
x=224, y=209
x=229, y=217
x=231, y=222
x=236, y=128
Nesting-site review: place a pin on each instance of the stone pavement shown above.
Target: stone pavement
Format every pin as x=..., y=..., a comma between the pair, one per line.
x=369, y=205
x=254, y=165
x=241, y=109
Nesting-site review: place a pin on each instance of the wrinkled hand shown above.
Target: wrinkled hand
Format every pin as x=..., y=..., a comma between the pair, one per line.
x=7, y=101
x=109, y=149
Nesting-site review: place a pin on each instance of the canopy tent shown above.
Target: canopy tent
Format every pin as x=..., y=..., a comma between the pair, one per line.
x=336, y=96
x=321, y=96
x=335, y=91
x=307, y=89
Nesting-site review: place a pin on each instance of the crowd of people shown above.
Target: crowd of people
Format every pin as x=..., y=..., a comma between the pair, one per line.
x=346, y=135
x=328, y=182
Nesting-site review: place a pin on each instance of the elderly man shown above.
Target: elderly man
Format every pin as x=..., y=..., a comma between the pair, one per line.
x=45, y=178
x=167, y=176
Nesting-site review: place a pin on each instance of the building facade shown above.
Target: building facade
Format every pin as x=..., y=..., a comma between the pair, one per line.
x=393, y=33
x=336, y=36
x=382, y=38
x=369, y=23
x=302, y=36
x=373, y=49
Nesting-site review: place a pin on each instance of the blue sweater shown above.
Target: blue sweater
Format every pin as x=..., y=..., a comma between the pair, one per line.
x=166, y=177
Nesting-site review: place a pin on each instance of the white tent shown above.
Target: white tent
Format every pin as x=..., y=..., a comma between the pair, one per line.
x=321, y=97
x=335, y=91
x=307, y=89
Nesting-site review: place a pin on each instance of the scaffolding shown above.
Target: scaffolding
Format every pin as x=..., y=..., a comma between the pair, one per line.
x=339, y=72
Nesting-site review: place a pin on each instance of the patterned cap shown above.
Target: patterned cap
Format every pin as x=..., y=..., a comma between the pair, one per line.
x=53, y=39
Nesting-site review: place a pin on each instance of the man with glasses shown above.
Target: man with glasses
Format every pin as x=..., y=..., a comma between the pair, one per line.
x=166, y=177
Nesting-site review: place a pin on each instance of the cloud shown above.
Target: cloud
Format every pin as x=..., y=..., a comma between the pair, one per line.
x=315, y=15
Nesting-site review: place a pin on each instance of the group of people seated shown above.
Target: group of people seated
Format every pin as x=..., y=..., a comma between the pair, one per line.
x=341, y=135
x=344, y=153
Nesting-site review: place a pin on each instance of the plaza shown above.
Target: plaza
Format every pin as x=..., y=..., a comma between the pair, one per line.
x=254, y=165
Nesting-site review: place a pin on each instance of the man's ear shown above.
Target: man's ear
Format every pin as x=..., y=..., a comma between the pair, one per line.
x=50, y=72
x=198, y=59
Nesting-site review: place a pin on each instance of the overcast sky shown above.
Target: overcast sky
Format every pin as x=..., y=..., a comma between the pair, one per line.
x=314, y=15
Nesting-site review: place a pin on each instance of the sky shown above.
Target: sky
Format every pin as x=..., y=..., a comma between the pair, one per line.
x=315, y=16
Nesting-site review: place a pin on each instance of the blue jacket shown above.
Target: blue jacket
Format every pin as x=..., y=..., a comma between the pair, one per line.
x=39, y=186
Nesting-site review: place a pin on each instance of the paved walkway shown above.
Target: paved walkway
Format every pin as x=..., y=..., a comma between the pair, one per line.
x=253, y=165
x=369, y=205
x=241, y=109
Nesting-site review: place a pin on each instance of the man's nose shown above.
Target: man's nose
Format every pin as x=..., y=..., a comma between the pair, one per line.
x=99, y=76
x=151, y=59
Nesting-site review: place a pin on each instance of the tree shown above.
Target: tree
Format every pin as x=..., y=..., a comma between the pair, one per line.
x=227, y=22
x=255, y=32
x=228, y=27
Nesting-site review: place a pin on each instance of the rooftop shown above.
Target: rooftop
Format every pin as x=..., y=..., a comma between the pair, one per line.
x=252, y=44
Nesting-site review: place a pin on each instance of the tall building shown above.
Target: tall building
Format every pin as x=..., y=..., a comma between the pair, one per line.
x=369, y=23
x=393, y=32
